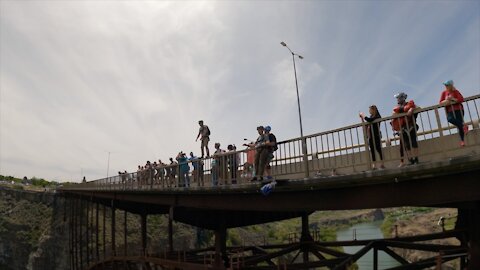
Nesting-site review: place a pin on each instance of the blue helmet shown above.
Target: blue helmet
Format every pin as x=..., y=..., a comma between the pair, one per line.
x=447, y=83
x=268, y=128
x=267, y=189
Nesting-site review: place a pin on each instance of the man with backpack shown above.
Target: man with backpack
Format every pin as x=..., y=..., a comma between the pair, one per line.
x=204, y=135
x=271, y=147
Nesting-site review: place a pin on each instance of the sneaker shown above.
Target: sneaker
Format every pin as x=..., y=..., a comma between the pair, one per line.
x=465, y=129
x=401, y=165
x=462, y=143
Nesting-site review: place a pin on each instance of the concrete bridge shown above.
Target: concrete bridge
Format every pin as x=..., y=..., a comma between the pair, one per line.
x=333, y=174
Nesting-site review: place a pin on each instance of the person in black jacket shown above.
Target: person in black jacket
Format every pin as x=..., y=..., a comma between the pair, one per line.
x=374, y=135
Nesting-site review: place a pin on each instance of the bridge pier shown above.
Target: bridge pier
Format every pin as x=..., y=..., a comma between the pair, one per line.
x=114, y=249
x=221, y=257
x=170, y=230
x=144, y=234
x=469, y=219
x=305, y=237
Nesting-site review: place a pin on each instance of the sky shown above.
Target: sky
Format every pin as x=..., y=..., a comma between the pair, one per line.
x=94, y=87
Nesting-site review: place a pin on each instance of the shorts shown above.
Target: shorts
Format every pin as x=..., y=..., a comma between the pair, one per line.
x=205, y=141
x=270, y=157
x=409, y=138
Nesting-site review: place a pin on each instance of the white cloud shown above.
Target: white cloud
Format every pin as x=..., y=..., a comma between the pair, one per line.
x=81, y=79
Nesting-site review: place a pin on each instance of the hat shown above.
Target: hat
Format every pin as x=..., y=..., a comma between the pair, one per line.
x=260, y=127
x=447, y=83
x=268, y=128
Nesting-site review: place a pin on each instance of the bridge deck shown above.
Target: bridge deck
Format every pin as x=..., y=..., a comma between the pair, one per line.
x=446, y=176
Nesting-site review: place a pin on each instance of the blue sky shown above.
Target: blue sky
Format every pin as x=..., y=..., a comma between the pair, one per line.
x=79, y=79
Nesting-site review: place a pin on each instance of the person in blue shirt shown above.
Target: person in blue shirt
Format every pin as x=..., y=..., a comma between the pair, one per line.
x=184, y=169
x=197, y=172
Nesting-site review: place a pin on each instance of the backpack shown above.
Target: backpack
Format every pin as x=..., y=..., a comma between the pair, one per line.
x=208, y=131
x=272, y=138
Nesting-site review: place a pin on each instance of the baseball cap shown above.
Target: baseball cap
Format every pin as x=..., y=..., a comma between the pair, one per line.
x=449, y=82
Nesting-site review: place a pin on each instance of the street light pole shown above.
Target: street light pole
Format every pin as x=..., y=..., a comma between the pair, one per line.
x=304, y=141
x=108, y=163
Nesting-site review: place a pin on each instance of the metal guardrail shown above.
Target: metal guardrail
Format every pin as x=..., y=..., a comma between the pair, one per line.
x=328, y=152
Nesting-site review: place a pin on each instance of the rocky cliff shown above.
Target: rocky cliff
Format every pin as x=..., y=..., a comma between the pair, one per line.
x=33, y=234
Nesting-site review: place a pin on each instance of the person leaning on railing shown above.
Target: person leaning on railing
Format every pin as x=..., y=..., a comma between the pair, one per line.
x=452, y=99
x=406, y=127
x=373, y=134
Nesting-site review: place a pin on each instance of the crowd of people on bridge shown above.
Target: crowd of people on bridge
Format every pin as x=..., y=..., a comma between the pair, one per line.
x=226, y=166
x=406, y=127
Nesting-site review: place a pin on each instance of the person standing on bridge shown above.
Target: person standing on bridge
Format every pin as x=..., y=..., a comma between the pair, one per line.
x=261, y=155
x=270, y=148
x=204, y=135
x=184, y=169
x=407, y=127
x=374, y=135
x=452, y=99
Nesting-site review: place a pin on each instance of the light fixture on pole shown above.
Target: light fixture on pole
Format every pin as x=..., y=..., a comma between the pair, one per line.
x=304, y=142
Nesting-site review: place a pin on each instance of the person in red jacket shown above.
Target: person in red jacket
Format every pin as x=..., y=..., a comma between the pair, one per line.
x=406, y=127
x=452, y=99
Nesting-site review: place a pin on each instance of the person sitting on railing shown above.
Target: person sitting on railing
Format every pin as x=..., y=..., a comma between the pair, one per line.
x=270, y=148
x=374, y=135
x=452, y=99
x=406, y=127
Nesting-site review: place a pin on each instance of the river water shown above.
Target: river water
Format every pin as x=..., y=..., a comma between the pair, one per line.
x=365, y=231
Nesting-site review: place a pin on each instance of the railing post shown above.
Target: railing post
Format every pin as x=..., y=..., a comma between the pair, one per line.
x=305, y=157
x=439, y=123
x=367, y=150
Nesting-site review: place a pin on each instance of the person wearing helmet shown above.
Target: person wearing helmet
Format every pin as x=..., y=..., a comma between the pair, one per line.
x=260, y=155
x=270, y=147
x=452, y=99
x=406, y=127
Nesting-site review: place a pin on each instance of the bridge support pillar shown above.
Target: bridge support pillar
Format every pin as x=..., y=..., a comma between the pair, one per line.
x=221, y=258
x=305, y=238
x=469, y=219
x=144, y=234
x=170, y=230
x=114, y=249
